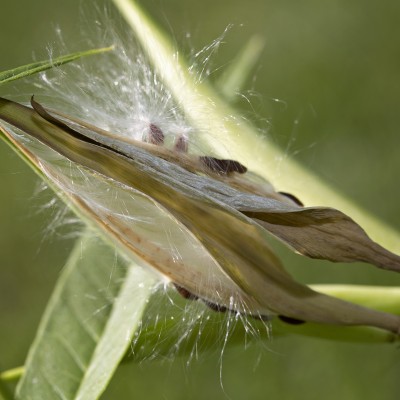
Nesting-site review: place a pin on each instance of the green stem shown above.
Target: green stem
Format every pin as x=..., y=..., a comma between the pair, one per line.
x=356, y=334
x=30, y=69
x=381, y=298
x=9, y=376
x=12, y=374
x=234, y=77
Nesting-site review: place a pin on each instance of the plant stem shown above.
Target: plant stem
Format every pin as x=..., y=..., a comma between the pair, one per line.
x=381, y=298
x=12, y=374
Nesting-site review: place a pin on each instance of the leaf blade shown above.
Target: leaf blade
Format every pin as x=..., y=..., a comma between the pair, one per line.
x=234, y=78
x=40, y=66
x=75, y=322
x=121, y=326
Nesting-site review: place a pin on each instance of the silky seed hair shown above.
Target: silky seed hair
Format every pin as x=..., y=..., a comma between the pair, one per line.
x=120, y=92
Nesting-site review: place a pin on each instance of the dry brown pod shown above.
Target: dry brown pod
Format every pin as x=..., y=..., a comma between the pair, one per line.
x=217, y=219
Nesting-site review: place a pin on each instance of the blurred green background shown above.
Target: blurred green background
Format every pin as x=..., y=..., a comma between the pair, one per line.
x=335, y=69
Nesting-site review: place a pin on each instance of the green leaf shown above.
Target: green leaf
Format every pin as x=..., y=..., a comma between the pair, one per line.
x=34, y=68
x=235, y=76
x=13, y=374
x=87, y=326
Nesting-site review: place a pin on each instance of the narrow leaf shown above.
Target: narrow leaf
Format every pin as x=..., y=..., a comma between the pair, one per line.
x=238, y=72
x=383, y=298
x=75, y=343
x=117, y=337
x=34, y=68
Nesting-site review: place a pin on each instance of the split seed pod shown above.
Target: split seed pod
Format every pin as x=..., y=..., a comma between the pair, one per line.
x=213, y=223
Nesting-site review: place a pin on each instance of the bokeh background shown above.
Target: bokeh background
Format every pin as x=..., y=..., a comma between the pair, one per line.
x=335, y=69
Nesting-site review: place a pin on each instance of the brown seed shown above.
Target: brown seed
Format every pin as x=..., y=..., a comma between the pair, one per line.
x=155, y=135
x=184, y=292
x=291, y=321
x=181, y=144
x=223, y=167
x=215, y=307
x=293, y=198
